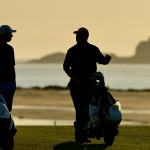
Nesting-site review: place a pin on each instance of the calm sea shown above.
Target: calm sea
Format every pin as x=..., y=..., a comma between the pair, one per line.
x=117, y=76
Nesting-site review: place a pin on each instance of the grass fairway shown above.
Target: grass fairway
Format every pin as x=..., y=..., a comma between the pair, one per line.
x=62, y=138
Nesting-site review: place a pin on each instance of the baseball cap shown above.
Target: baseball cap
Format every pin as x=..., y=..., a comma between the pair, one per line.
x=6, y=29
x=82, y=31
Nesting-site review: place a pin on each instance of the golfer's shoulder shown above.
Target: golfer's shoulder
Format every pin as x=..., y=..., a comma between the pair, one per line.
x=93, y=47
x=9, y=47
x=72, y=49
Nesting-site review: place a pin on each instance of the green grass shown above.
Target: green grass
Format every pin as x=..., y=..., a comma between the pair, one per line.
x=62, y=138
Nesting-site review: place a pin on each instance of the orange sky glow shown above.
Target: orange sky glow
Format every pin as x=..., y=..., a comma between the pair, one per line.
x=46, y=26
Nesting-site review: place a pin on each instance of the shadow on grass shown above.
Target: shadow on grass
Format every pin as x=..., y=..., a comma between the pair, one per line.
x=73, y=146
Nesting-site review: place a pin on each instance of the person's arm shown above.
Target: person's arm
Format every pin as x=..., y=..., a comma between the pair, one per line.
x=106, y=60
x=72, y=76
x=101, y=59
x=13, y=62
x=15, y=74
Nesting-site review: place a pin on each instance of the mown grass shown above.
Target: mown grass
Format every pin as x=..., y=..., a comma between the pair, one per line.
x=62, y=138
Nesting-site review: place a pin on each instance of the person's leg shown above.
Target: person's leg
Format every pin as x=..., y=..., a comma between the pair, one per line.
x=79, y=97
x=8, y=92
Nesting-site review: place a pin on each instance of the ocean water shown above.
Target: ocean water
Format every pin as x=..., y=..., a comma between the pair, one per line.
x=117, y=76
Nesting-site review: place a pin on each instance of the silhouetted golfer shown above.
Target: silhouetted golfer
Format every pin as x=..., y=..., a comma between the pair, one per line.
x=79, y=65
x=7, y=63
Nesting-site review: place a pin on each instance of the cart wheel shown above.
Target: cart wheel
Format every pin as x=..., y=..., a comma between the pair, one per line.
x=108, y=140
x=80, y=136
x=9, y=144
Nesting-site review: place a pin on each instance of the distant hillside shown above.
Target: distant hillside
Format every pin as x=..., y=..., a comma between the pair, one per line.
x=52, y=58
x=142, y=56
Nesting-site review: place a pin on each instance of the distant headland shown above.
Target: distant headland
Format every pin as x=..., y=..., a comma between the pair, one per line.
x=142, y=55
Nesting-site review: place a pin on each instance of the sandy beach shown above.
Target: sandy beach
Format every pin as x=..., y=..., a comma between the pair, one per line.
x=57, y=104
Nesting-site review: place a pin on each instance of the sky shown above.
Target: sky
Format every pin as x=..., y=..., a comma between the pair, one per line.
x=46, y=26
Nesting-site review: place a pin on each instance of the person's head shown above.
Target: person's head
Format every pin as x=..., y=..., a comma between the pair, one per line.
x=6, y=33
x=82, y=35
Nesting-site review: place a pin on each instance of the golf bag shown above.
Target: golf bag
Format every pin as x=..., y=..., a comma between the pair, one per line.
x=104, y=112
x=7, y=127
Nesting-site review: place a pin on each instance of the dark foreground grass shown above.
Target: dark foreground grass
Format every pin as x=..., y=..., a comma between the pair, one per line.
x=62, y=138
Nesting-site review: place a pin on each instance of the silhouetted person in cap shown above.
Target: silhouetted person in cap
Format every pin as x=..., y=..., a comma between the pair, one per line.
x=7, y=66
x=79, y=65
